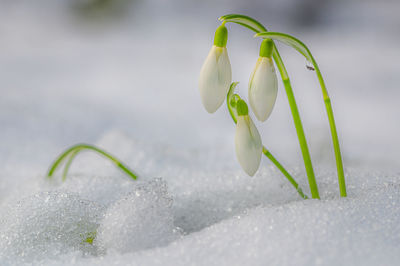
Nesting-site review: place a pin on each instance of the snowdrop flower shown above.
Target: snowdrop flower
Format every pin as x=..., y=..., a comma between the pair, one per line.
x=247, y=140
x=216, y=73
x=263, y=84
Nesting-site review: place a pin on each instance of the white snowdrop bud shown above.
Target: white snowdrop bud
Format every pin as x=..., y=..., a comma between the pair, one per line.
x=263, y=84
x=248, y=144
x=216, y=73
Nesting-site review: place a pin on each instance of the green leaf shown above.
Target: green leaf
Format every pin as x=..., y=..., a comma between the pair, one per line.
x=74, y=150
x=245, y=21
x=289, y=40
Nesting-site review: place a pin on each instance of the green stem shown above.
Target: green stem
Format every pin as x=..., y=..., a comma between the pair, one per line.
x=231, y=100
x=302, y=139
x=268, y=154
x=68, y=163
x=79, y=147
x=303, y=49
x=332, y=125
x=336, y=147
x=258, y=27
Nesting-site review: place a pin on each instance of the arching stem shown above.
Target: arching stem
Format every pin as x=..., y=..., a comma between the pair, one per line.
x=69, y=162
x=303, y=49
x=332, y=125
x=268, y=154
x=74, y=150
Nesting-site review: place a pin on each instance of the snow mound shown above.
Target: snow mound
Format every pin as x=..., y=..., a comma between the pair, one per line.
x=143, y=219
x=359, y=230
x=102, y=189
x=47, y=225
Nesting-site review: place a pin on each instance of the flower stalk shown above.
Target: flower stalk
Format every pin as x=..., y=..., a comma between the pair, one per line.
x=258, y=28
x=261, y=31
x=303, y=49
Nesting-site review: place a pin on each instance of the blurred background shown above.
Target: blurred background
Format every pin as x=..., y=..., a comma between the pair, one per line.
x=75, y=70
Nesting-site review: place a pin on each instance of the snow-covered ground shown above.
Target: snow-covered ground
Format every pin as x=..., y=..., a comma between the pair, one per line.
x=131, y=88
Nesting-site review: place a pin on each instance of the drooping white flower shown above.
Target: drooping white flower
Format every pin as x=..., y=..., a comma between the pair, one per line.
x=263, y=88
x=215, y=78
x=248, y=144
x=216, y=73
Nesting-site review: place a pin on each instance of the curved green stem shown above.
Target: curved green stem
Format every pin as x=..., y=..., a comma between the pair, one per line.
x=69, y=162
x=74, y=150
x=303, y=49
x=257, y=27
x=268, y=154
x=231, y=100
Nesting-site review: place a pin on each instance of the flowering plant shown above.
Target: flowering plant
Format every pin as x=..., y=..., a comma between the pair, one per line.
x=215, y=86
x=262, y=92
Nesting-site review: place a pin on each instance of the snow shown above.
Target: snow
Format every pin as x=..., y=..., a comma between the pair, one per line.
x=141, y=220
x=362, y=231
x=131, y=89
x=47, y=225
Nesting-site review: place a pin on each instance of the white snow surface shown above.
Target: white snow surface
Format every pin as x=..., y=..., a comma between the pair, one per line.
x=131, y=89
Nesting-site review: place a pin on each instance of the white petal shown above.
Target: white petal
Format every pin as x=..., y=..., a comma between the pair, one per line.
x=263, y=88
x=215, y=78
x=248, y=145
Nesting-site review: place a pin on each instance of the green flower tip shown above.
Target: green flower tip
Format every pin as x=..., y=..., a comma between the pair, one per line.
x=266, y=48
x=242, y=108
x=221, y=36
